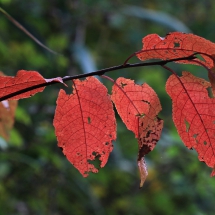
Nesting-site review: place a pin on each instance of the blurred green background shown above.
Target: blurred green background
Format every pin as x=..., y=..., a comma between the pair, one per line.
x=35, y=177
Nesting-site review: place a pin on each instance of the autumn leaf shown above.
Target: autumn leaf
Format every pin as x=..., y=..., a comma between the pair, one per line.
x=23, y=80
x=138, y=106
x=85, y=124
x=194, y=114
x=176, y=45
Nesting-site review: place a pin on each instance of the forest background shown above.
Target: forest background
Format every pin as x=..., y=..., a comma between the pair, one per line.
x=35, y=177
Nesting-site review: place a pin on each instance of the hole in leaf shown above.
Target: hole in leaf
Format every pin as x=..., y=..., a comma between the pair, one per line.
x=210, y=94
x=96, y=162
x=195, y=136
x=187, y=124
x=88, y=120
x=205, y=143
x=141, y=115
x=176, y=44
x=106, y=143
x=199, y=57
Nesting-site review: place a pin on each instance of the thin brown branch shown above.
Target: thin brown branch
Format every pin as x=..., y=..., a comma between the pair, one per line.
x=99, y=72
x=18, y=25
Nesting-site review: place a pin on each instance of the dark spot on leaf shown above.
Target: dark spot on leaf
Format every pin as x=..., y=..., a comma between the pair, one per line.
x=122, y=85
x=94, y=153
x=148, y=133
x=146, y=101
x=205, y=143
x=88, y=120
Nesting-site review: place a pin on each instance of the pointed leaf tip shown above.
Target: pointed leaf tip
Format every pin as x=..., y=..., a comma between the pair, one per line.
x=143, y=171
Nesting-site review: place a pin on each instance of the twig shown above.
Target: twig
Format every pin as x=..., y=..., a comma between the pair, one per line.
x=98, y=72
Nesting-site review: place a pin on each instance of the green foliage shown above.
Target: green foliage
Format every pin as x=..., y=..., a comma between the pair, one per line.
x=35, y=178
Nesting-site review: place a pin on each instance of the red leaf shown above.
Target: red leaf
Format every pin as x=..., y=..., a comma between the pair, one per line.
x=194, y=115
x=23, y=79
x=176, y=45
x=85, y=124
x=138, y=106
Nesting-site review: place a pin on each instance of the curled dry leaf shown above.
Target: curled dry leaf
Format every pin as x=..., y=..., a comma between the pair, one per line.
x=85, y=124
x=143, y=170
x=194, y=114
x=138, y=106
